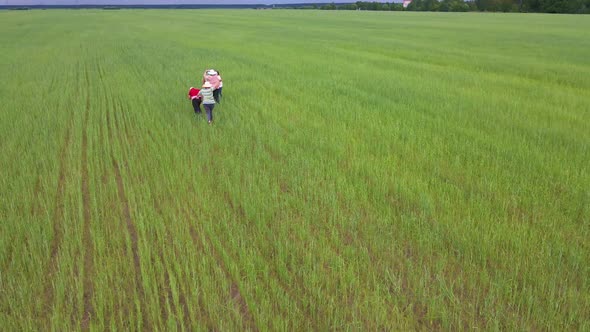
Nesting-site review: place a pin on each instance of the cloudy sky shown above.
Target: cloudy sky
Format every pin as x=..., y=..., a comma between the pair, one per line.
x=156, y=2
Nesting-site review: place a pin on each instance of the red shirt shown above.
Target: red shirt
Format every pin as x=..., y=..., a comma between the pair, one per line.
x=192, y=93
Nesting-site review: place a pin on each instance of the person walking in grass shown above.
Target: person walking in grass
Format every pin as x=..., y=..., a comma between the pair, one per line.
x=193, y=95
x=206, y=95
x=213, y=77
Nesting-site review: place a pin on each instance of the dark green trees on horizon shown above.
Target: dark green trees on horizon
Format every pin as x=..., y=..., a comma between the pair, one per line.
x=537, y=6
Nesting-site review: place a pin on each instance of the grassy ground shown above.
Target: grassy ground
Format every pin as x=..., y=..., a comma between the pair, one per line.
x=365, y=171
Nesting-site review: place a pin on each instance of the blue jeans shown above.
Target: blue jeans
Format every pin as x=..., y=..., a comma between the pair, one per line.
x=209, y=109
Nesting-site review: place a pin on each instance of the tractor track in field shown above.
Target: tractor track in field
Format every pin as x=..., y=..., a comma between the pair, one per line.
x=168, y=297
x=169, y=293
x=202, y=314
x=305, y=310
x=234, y=294
x=182, y=299
x=131, y=229
x=333, y=246
x=36, y=207
x=124, y=204
x=187, y=318
x=58, y=216
x=345, y=238
x=134, y=239
x=9, y=254
x=110, y=141
x=416, y=309
x=125, y=309
x=87, y=281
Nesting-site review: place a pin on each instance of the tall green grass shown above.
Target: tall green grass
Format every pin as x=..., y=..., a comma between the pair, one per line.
x=365, y=171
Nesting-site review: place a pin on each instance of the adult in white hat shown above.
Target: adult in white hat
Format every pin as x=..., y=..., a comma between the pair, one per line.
x=212, y=76
x=206, y=94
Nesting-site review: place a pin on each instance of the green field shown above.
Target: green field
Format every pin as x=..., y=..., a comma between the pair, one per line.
x=366, y=171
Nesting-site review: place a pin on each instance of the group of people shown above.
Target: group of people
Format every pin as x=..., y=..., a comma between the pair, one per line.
x=208, y=95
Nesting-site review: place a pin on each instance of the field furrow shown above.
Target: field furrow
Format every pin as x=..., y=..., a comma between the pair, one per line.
x=234, y=295
x=58, y=220
x=203, y=318
x=87, y=237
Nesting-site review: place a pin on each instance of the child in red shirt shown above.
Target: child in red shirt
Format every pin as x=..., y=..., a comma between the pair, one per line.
x=193, y=95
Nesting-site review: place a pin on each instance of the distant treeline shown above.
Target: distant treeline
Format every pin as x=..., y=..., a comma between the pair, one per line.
x=362, y=5
x=538, y=6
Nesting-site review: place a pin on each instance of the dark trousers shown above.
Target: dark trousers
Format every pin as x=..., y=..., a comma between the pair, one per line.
x=217, y=94
x=197, y=105
x=209, y=109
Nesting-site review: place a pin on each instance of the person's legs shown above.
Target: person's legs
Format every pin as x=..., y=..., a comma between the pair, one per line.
x=216, y=95
x=209, y=109
x=197, y=105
